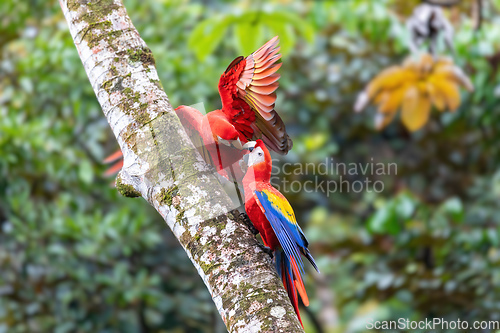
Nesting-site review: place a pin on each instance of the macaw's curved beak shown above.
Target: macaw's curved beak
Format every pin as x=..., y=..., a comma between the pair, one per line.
x=244, y=162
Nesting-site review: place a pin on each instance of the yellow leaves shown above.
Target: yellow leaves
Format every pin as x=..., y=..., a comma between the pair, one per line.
x=437, y=99
x=388, y=79
x=414, y=88
x=415, y=109
x=392, y=100
x=446, y=90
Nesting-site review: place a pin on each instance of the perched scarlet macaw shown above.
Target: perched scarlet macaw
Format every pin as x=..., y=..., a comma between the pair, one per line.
x=247, y=90
x=273, y=217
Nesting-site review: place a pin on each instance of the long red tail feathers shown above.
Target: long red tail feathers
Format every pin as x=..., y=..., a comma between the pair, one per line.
x=292, y=281
x=299, y=284
x=290, y=287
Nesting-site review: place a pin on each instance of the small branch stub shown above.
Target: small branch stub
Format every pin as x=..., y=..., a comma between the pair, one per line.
x=126, y=190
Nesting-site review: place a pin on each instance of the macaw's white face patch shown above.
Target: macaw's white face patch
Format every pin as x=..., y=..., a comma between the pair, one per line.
x=256, y=156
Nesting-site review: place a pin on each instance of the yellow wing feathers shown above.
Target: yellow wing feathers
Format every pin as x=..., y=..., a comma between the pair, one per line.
x=281, y=204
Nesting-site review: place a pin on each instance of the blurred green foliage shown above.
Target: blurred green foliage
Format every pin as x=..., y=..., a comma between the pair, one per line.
x=77, y=257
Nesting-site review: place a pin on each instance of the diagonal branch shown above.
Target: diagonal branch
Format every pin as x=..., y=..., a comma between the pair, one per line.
x=162, y=166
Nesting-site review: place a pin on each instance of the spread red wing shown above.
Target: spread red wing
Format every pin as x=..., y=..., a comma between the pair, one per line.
x=257, y=85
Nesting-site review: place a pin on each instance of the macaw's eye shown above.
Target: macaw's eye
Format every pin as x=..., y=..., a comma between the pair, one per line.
x=260, y=154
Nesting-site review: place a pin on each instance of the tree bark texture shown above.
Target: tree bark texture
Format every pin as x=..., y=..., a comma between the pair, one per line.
x=162, y=166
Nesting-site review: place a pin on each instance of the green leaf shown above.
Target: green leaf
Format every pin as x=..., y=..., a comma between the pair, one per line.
x=286, y=34
x=248, y=36
x=492, y=235
x=208, y=34
x=85, y=172
x=384, y=220
x=454, y=208
x=405, y=205
x=287, y=26
x=303, y=27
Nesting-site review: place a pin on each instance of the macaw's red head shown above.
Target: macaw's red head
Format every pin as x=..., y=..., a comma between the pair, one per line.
x=259, y=161
x=228, y=80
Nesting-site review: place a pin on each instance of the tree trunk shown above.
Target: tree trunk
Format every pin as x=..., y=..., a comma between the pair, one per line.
x=162, y=166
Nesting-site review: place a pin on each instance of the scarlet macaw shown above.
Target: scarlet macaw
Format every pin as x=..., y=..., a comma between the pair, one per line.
x=247, y=90
x=273, y=217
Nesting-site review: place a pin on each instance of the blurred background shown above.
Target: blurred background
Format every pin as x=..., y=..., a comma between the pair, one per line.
x=75, y=256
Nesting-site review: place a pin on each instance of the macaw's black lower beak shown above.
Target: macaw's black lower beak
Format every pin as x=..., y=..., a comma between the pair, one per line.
x=244, y=163
x=246, y=157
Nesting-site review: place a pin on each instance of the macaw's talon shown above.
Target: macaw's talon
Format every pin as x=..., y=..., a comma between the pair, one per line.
x=248, y=223
x=267, y=250
x=224, y=142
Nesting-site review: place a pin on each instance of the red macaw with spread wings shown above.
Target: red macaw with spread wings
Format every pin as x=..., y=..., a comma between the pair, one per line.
x=247, y=89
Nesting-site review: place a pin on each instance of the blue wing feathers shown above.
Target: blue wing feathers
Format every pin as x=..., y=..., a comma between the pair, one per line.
x=279, y=226
x=289, y=234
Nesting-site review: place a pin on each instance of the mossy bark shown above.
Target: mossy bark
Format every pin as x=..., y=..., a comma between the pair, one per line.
x=162, y=166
